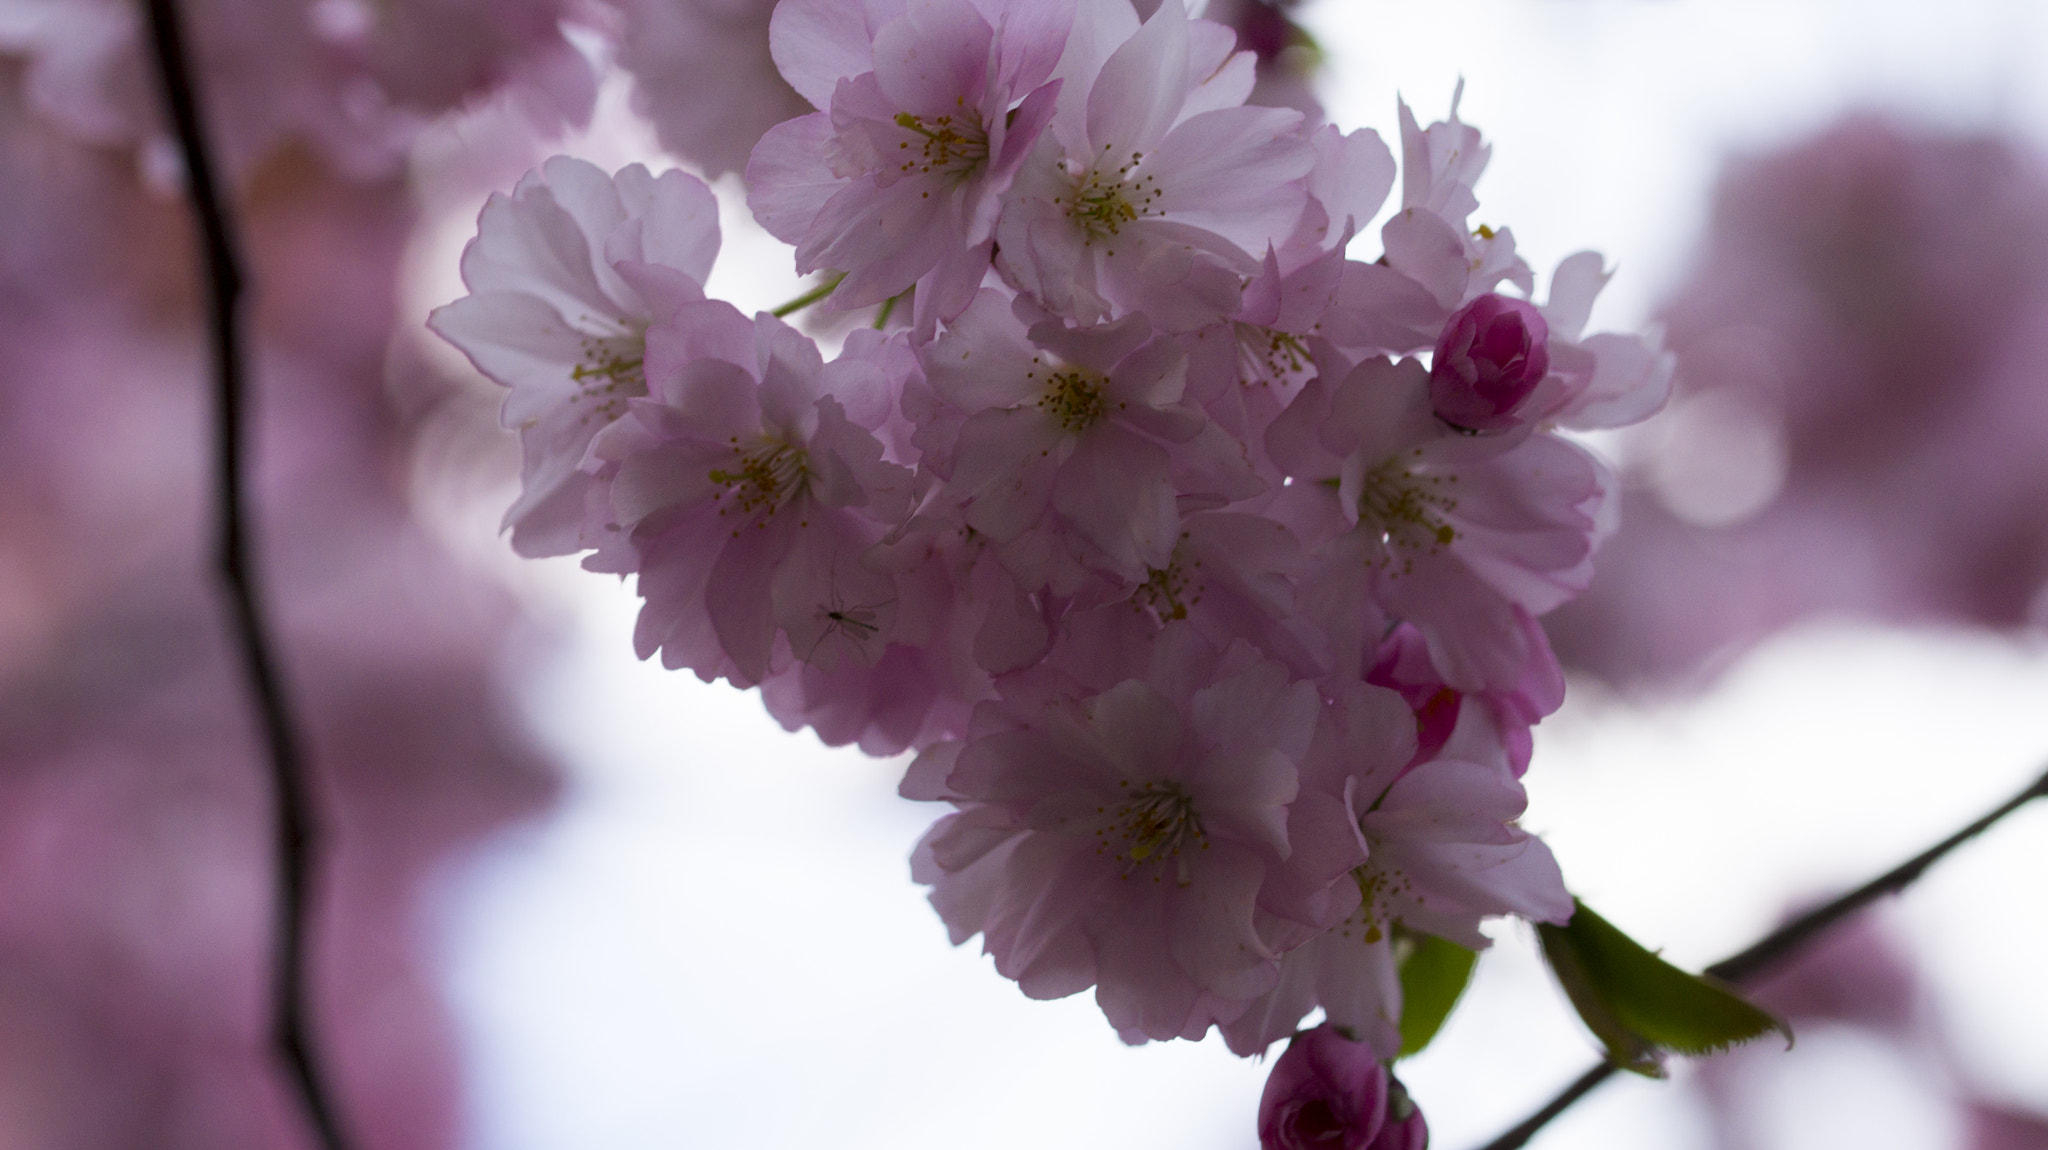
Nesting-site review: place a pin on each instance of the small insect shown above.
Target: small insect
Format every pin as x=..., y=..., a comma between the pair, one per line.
x=856, y=622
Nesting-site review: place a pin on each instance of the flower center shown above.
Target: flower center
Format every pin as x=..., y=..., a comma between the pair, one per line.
x=1152, y=826
x=1408, y=511
x=611, y=371
x=1266, y=357
x=1169, y=592
x=1376, y=891
x=764, y=479
x=1075, y=399
x=946, y=145
x=1103, y=202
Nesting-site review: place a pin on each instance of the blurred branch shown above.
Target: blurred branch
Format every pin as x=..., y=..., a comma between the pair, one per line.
x=222, y=288
x=1783, y=944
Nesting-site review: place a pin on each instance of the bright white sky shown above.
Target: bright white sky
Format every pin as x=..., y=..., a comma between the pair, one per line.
x=715, y=943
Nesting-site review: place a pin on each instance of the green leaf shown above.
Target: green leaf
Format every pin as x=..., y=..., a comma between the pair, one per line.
x=1640, y=1006
x=1433, y=976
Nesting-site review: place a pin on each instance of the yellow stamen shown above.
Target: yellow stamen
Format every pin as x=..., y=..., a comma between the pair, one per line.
x=956, y=147
x=1407, y=510
x=1075, y=398
x=1153, y=825
x=764, y=479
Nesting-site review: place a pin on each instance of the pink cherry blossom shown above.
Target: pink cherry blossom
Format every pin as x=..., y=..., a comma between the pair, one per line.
x=750, y=495
x=1071, y=450
x=1430, y=240
x=1441, y=853
x=896, y=181
x=898, y=701
x=565, y=275
x=1404, y=665
x=1458, y=535
x=1410, y=305
x=1121, y=841
x=1231, y=576
x=1247, y=368
x=1352, y=174
x=958, y=618
x=1595, y=381
x=1151, y=195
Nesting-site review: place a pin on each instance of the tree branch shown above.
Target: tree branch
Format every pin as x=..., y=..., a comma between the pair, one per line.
x=296, y=836
x=1783, y=944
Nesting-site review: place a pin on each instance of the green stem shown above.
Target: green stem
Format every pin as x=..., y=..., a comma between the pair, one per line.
x=810, y=297
x=888, y=305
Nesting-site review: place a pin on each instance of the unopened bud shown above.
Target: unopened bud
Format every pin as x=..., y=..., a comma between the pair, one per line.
x=1328, y=1092
x=1492, y=354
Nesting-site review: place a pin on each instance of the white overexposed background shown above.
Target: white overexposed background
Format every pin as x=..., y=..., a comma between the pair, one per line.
x=714, y=941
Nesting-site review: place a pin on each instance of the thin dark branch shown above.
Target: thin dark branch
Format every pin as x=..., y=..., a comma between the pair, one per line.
x=296, y=836
x=1788, y=939
x=1582, y=1086
x=1785, y=943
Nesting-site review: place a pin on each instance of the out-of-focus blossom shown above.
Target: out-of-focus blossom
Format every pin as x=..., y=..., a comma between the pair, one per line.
x=1993, y=1126
x=1857, y=980
x=1287, y=55
x=1860, y=414
x=353, y=79
x=136, y=911
x=703, y=74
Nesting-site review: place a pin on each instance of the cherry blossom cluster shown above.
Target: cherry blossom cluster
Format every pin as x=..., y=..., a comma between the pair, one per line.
x=1198, y=560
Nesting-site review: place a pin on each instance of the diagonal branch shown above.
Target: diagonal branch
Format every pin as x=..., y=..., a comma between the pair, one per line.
x=296, y=834
x=1783, y=944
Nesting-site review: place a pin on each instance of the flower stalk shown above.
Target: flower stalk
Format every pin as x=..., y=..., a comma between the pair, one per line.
x=810, y=297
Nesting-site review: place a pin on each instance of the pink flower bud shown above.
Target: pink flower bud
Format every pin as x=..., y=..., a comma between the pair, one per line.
x=1326, y=1092
x=1405, y=1129
x=1492, y=354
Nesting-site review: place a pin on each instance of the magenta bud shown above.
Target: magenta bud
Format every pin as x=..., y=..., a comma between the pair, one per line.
x=1492, y=354
x=1327, y=1092
x=1404, y=1129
